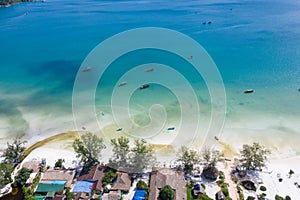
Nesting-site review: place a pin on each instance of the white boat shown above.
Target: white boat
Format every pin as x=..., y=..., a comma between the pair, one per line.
x=122, y=84
x=86, y=69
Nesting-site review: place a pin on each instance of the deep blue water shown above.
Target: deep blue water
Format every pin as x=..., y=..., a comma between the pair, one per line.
x=255, y=44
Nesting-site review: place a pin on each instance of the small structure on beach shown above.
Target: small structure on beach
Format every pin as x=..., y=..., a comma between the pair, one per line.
x=161, y=177
x=249, y=183
x=122, y=184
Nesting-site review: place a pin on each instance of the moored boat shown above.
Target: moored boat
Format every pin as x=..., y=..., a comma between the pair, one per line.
x=248, y=91
x=145, y=86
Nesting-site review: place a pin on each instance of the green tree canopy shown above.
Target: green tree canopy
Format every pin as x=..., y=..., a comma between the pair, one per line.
x=88, y=148
x=142, y=156
x=59, y=163
x=254, y=157
x=166, y=193
x=121, y=150
x=70, y=195
x=141, y=185
x=14, y=152
x=211, y=157
x=188, y=158
x=22, y=177
x=5, y=173
x=133, y=159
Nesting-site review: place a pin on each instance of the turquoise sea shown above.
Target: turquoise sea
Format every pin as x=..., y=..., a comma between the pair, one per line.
x=255, y=45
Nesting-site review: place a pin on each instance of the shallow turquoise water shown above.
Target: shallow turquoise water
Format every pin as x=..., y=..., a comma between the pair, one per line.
x=255, y=44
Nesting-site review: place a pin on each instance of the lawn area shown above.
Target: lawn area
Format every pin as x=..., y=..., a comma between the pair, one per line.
x=189, y=189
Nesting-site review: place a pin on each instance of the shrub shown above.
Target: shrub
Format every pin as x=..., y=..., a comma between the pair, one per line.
x=225, y=191
x=70, y=195
x=261, y=196
x=203, y=186
x=277, y=197
x=291, y=172
x=22, y=177
x=287, y=198
x=250, y=198
x=59, y=163
x=167, y=193
x=263, y=188
x=221, y=175
x=219, y=182
x=235, y=179
x=108, y=177
x=240, y=192
x=141, y=185
x=189, y=188
x=204, y=197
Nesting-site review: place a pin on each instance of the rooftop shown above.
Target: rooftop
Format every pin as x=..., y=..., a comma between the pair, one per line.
x=62, y=175
x=166, y=176
x=123, y=182
x=95, y=173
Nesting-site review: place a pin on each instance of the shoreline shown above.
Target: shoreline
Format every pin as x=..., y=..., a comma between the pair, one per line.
x=62, y=141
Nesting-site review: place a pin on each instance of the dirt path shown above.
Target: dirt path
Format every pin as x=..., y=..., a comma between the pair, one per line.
x=233, y=193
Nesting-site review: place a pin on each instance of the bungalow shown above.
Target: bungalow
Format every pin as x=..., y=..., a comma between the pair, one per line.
x=58, y=175
x=249, y=183
x=89, y=181
x=121, y=186
x=123, y=183
x=96, y=174
x=166, y=176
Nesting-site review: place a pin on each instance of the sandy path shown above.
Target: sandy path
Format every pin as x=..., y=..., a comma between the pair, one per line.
x=233, y=193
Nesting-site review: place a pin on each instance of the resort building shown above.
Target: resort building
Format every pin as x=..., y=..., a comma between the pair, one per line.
x=167, y=176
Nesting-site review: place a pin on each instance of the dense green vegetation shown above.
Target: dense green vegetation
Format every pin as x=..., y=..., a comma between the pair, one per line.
x=70, y=195
x=108, y=177
x=263, y=188
x=166, y=193
x=221, y=183
x=88, y=148
x=135, y=159
x=141, y=185
x=59, y=163
x=189, y=189
x=5, y=174
x=13, y=154
x=22, y=177
x=240, y=192
x=188, y=158
x=254, y=156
